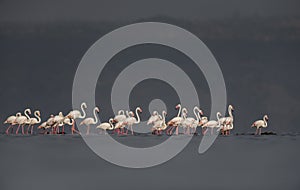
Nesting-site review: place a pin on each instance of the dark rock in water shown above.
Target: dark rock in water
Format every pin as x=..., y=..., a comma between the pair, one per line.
x=268, y=133
x=61, y=133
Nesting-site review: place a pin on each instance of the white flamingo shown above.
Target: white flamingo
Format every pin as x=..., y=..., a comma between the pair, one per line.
x=12, y=121
x=228, y=122
x=190, y=122
x=89, y=121
x=106, y=126
x=75, y=114
x=23, y=120
x=58, y=120
x=33, y=121
x=176, y=121
x=160, y=125
x=153, y=118
x=260, y=124
x=120, y=117
x=132, y=120
x=212, y=124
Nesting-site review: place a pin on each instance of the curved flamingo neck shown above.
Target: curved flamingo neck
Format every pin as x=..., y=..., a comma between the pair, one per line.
x=137, y=115
x=26, y=114
x=83, y=111
x=230, y=112
x=198, y=117
x=179, y=111
x=37, y=116
x=95, y=116
x=265, y=121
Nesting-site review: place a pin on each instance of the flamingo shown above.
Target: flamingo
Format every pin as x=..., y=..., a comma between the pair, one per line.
x=120, y=117
x=106, y=126
x=195, y=123
x=23, y=120
x=34, y=121
x=77, y=114
x=260, y=124
x=212, y=124
x=89, y=121
x=228, y=122
x=176, y=121
x=191, y=122
x=160, y=125
x=58, y=120
x=12, y=121
x=132, y=120
x=154, y=117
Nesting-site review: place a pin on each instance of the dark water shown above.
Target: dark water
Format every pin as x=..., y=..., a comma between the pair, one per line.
x=234, y=162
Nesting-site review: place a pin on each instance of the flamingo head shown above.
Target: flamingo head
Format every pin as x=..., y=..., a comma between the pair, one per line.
x=266, y=117
x=97, y=109
x=38, y=113
x=131, y=114
x=178, y=106
x=139, y=109
x=155, y=113
x=84, y=105
x=201, y=112
x=231, y=107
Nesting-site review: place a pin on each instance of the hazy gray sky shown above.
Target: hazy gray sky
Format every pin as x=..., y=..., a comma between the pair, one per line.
x=47, y=10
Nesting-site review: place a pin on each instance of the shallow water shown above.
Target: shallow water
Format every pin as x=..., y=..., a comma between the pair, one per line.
x=234, y=162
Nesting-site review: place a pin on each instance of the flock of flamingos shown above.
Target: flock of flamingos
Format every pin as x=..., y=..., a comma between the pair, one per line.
x=55, y=124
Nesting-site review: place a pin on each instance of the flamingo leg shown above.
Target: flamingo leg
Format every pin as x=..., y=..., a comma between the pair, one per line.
x=27, y=131
x=17, y=131
x=259, y=131
x=88, y=130
x=131, y=130
x=204, y=133
x=7, y=130
x=23, y=130
x=177, y=130
x=31, y=132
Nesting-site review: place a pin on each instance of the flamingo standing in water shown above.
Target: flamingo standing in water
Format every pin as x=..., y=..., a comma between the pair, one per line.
x=12, y=121
x=89, y=121
x=120, y=117
x=58, y=120
x=153, y=118
x=175, y=122
x=132, y=120
x=190, y=122
x=212, y=124
x=160, y=125
x=77, y=114
x=260, y=124
x=33, y=121
x=228, y=122
x=106, y=126
x=23, y=120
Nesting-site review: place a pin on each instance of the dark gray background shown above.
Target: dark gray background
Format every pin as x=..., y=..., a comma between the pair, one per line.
x=255, y=42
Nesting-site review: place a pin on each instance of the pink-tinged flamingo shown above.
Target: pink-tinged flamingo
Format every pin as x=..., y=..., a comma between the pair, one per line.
x=160, y=125
x=33, y=121
x=23, y=120
x=228, y=122
x=12, y=121
x=175, y=122
x=120, y=117
x=260, y=124
x=132, y=120
x=190, y=122
x=89, y=121
x=153, y=118
x=212, y=124
x=75, y=114
x=58, y=120
x=106, y=126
